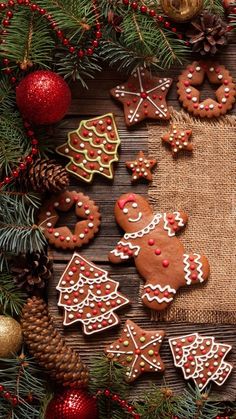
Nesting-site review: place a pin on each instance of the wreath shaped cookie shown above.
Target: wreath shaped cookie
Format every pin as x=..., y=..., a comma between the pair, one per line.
x=84, y=230
x=190, y=96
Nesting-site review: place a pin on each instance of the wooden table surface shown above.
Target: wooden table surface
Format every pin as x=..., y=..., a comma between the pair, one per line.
x=94, y=102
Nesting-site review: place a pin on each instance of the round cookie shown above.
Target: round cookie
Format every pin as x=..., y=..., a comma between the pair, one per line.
x=84, y=229
x=190, y=96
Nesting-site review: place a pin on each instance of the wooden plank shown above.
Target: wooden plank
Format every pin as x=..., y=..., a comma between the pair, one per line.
x=86, y=104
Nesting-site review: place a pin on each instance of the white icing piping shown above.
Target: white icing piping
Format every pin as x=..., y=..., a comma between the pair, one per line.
x=198, y=268
x=155, y=298
x=120, y=254
x=155, y=221
x=160, y=288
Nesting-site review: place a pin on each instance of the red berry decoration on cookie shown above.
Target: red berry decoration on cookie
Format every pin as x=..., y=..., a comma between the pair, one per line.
x=92, y=148
x=201, y=359
x=89, y=296
x=84, y=229
x=143, y=96
x=178, y=139
x=141, y=167
x=138, y=350
x=159, y=255
x=190, y=96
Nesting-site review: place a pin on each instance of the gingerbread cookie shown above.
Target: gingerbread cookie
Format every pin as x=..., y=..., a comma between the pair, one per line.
x=143, y=96
x=201, y=359
x=141, y=167
x=84, y=230
x=92, y=148
x=89, y=296
x=190, y=96
x=158, y=254
x=178, y=139
x=138, y=350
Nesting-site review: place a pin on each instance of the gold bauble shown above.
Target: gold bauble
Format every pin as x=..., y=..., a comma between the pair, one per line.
x=10, y=336
x=181, y=10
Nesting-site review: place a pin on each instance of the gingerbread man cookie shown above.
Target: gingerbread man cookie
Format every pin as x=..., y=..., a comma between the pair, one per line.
x=158, y=254
x=84, y=229
x=201, y=359
x=138, y=350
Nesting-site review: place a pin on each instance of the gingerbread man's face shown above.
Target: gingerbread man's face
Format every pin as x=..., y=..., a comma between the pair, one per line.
x=132, y=212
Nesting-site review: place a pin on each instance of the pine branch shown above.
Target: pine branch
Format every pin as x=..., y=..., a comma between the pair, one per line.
x=196, y=405
x=157, y=403
x=20, y=377
x=7, y=95
x=18, y=231
x=13, y=141
x=11, y=299
x=28, y=40
x=214, y=6
x=121, y=58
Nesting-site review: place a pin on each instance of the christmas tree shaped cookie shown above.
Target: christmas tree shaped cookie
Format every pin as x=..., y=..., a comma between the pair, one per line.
x=92, y=148
x=201, y=359
x=89, y=296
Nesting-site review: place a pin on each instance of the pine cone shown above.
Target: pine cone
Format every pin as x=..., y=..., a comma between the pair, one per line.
x=45, y=175
x=45, y=343
x=208, y=33
x=32, y=271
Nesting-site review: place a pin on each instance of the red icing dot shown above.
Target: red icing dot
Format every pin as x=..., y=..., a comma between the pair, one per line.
x=189, y=97
x=98, y=286
x=151, y=242
x=226, y=82
x=62, y=238
x=171, y=222
x=191, y=70
x=191, y=258
x=148, y=290
x=119, y=247
x=109, y=121
x=145, y=112
x=67, y=278
x=220, y=106
x=166, y=294
x=84, y=174
x=156, y=353
x=75, y=141
x=212, y=368
x=74, y=269
x=98, y=140
x=226, y=94
x=107, y=292
x=86, y=207
x=86, y=231
x=154, y=96
x=179, y=345
x=190, y=339
x=50, y=230
x=186, y=83
x=75, y=198
x=102, y=128
x=69, y=302
x=95, y=312
x=194, y=277
x=87, y=273
x=203, y=380
x=91, y=166
x=204, y=351
x=113, y=303
x=175, y=228
x=134, y=100
x=82, y=263
x=85, y=133
x=99, y=304
x=156, y=292
x=157, y=252
x=105, y=158
x=186, y=365
x=76, y=294
x=91, y=153
x=91, y=217
x=128, y=103
x=192, y=267
x=221, y=354
x=78, y=315
x=143, y=95
x=145, y=105
x=190, y=358
x=104, y=323
x=217, y=70
x=74, y=239
x=130, y=253
x=125, y=250
x=169, y=216
x=137, y=351
x=74, y=168
x=195, y=105
x=112, y=134
x=160, y=97
x=77, y=157
x=207, y=108
x=94, y=326
x=165, y=263
x=109, y=147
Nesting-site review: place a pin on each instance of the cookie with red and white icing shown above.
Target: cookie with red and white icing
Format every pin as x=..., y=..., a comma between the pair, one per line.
x=89, y=296
x=143, y=96
x=150, y=239
x=138, y=350
x=84, y=230
x=178, y=139
x=141, y=167
x=189, y=95
x=92, y=148
x=201, y=359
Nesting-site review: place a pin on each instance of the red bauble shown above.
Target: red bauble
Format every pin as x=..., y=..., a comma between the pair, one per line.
x=43, y=97
x=72, y=404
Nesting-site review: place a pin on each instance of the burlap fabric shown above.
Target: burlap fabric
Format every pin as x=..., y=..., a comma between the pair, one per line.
x=203, y=185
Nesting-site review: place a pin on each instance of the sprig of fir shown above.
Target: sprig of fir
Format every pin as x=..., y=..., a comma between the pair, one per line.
x=11, y=298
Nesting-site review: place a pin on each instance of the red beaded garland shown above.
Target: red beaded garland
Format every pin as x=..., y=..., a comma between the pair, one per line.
x=123, y=403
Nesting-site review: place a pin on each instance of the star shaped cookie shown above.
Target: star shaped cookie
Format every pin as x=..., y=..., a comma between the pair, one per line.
x=141, y=167
x=138, y=350
x=178, y=139
x=143, y=96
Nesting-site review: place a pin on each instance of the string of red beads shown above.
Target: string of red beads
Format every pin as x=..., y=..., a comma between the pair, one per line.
x=152, y=12
x=123, y=403
x=73, y=49
x=8, y=396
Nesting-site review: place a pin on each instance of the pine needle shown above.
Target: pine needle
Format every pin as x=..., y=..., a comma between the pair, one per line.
x=11, y=298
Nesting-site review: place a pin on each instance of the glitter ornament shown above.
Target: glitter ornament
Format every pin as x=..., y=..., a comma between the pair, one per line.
x=72, y=404
x=43, y=97
x=181, y=10
x=10, y=336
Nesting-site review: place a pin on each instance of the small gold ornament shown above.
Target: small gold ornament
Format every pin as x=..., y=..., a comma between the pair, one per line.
x=181, y=10
x=10, y=336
